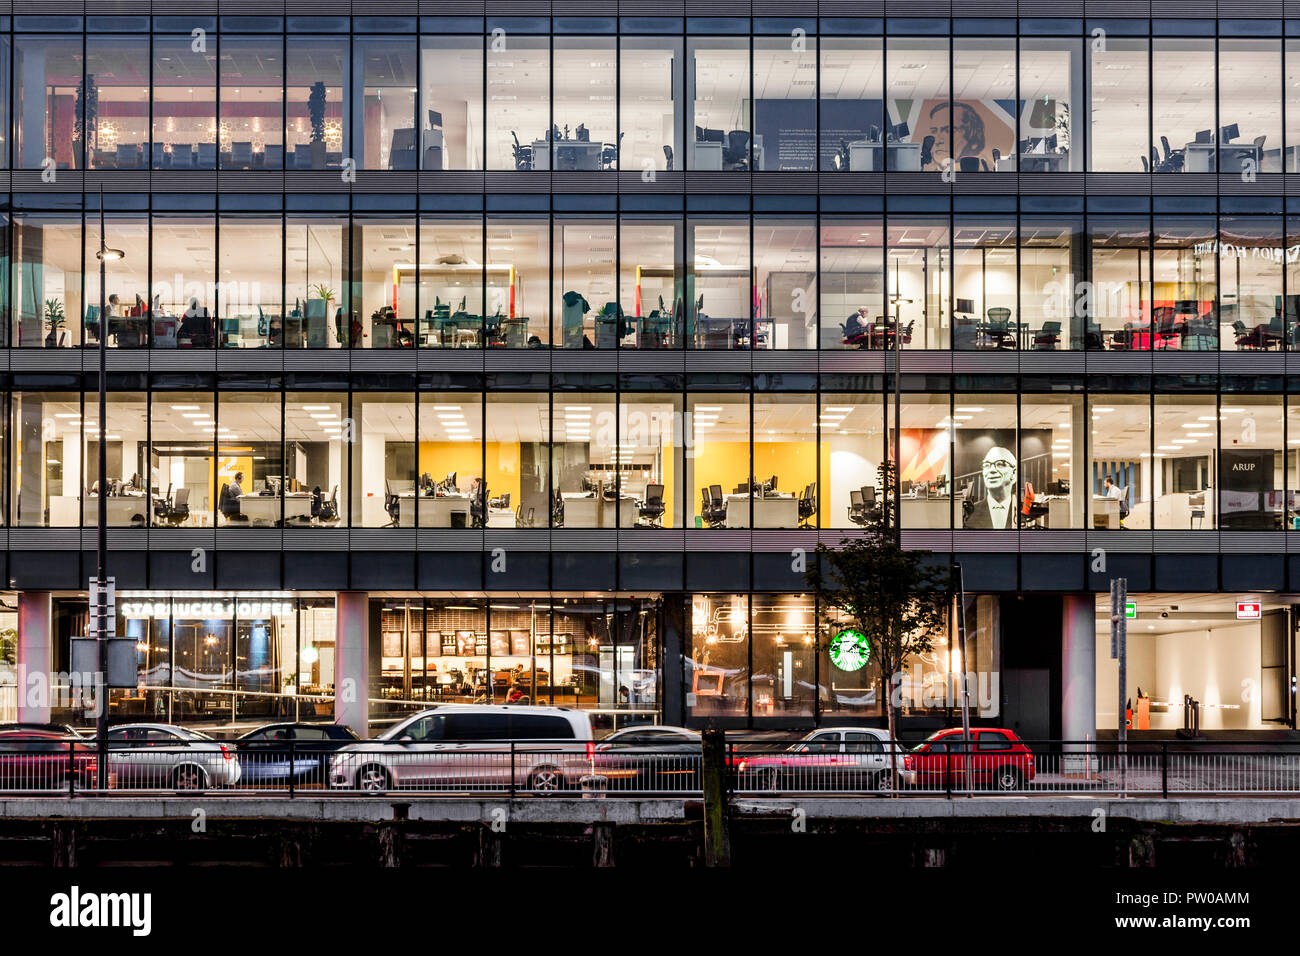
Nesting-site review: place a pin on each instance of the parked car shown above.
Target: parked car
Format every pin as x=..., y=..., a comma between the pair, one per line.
x=472, y=746
x=649, y=757
x=40, y=760
x=995, y=759
x=264, y=753
x=833, y=758
x=162, y=755
x=62, y=729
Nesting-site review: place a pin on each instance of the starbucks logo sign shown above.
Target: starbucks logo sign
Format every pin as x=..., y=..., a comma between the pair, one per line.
x=850, y=650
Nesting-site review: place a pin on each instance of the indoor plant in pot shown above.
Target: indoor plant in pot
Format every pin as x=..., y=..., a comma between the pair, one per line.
x=54, y=319
x=316, y=109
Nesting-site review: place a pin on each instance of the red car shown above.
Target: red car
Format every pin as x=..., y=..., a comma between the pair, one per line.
x=995, y=759
x=39, y=760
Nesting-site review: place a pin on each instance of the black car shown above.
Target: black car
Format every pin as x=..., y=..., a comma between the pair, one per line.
x=649, y=758
x=273, y=753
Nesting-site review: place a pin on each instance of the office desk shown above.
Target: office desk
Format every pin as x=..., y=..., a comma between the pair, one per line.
x=500, y=518
x=1203, y=158
x=865, y=156
x=434, y=512
x=1105, y=512
x=569, y=154
x=265, y=509
x=1035, y=163
x=927, y=512
x=771, y=511
x=708, y=155
x=584, y=511
x=121, y=510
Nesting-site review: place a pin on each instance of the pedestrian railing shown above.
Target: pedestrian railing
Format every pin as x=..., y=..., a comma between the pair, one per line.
x=752, y=768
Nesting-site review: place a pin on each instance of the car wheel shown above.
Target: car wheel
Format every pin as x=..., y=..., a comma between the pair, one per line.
x=1008, y=778
x=373, y=779
x=189, y=777
x=883, y=783
x=546, y=780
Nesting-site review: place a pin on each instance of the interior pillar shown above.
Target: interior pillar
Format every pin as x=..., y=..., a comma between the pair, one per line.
x=35, y=656
x=352, y=662
x=1078, y=669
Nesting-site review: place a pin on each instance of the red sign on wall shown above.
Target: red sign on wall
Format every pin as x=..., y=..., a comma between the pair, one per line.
x=1248, y=610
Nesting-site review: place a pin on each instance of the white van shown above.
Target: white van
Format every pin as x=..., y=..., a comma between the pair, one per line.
x=472, y=747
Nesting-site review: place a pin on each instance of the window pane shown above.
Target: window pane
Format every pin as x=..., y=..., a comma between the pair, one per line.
x=984, y=285
x=649, y=448
x=383, y=102
x=1052, y=433
x=47, y=269
x=1251, y=463
x=251, y=466
x=918, y=261
x=1051, y=284
x=450, y=492
x=316, y=456
x=1182, y=104
x=383, y=312
x=47, y=98
x=1250, y=282
x=386, y=454
x=250, y=303
x=717, y=127
x=1185, y=279
x=783, y=632
x=785, y=462
x=451, y=106
x=989, y=477
x=1120, y=448
x=128, y=471
x=182, y=431
x=1051, y=89
x=852, y=448
x=46, y=432
x=184, y=105
x=1121, y=279
x=719, y=306
x=785, y=108
x=650, y=84
x=1250, y=103
x=451, y=283
x=717, y=460
x=516, y=443
x=587, y=464
x=587, y=312
x=923, y=444
x=1118, y=104
x=850, y=119
x=916, y=101
x=983, y=125
x=852, y=283
x=317, y=263
x=718, y=665
x=126, y=281
x=785, y=263
x=584, y=104
x=317, y=128
x=184, y=288
x=518, y=104
x=252, y=103
x=518, y=283
x=117, y=117
x=651, y=281
x=1184, y=476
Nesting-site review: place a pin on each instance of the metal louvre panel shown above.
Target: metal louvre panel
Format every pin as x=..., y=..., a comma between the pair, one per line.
x=501, y=182
x=319, y=8
x=382, y=360
x=315, y=539
x=664, y=181
x=573, y=539
x=1267, y=184
x=794, y=361
x=42, y=360
x=984, y=184
x=264, y=8
x=316, y=360
x=124, y=360
x=1186, y=8
x=250, y=181
x=249, y=539
x=1252, y=542
x=988, y=8
x=919, y=8
x=833, y=538
x=1116, y=8
x=1293, y=363
x=1051, y=8
x=428, y=539
x=459, y=8
x=1006, y=362
x=583, y=182
x=525, y=539
x=382, y=539
x=986, y=541
x=737, y=361
x=518, y=8
x=4, y=180
x=1126, y=542
x=919, y=183
x=851, y=8
x=717, y=539
x=517, y=360
x=115, y=180
x=190, y=181
x=314, y=181
x=850, y=183
x=449, y=360
x=182, y=539
x=1051, y=184
x=669, y=8
x=709, y=182
x=931, y=361
x=1184, y=184
x=785, y=8
x=1119, y=184
x=119, y=539
x=45, y=539
x=385, y=181
x=851, y=360
x=1134, y=363
x=778, y=541
x=920, y=540
x=29, y=180
x=1175, y=361
x=1062, y=361
x=584, y=360
x=1053, y=542
x=1193, y=542
x=47, y=7
x=649, y=539
x=716, y=8
x=579, y=8
x=451, y=181
x=1254, y=363
x=392, y=8
x=658, y=360
x=770, y=181
x=258, y=360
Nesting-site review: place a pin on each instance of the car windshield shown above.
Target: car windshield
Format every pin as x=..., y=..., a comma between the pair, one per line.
x=191, y=734
x=929, y=740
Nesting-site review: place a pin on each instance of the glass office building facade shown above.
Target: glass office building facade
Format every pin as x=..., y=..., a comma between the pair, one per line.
x=550, y=341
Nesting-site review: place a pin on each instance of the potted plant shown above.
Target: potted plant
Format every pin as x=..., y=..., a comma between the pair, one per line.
x=55, y=319
x=316, y=110
x=317, y=308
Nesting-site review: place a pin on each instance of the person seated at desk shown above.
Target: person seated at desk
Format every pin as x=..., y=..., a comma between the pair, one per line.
x=998, y=509
x=196, y=325
x=1112, y=490
x=230, y=495
x=857, y=327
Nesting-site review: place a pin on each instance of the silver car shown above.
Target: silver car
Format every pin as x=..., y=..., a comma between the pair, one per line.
x=472, y=746
x=160, y=755
x=833, y=758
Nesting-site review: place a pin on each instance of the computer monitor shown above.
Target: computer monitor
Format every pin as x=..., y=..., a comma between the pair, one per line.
x=1228, y=133
x=1205, y=136
x=771, y=483
x=900, y=132
x=435, y=119
x=451, y=479
x=904, y=487
x=965, y=306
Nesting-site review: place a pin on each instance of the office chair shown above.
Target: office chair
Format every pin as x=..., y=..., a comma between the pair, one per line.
x=717, y=504
x=668, y=156
x=391, y=504
x=807, y=505
x=557, y=510
x=997, y=157
x=735, y=150
x=856, y=510
x=502, y=501
x=1146, y=165
x=927, y=151
x=609, y=151
x=228, y=505
x=970, y=164
x=523, y=155
x=1048, y=336
x=651, y=511
x=869, y=505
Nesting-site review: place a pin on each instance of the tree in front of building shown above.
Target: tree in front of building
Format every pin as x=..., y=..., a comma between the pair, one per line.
x=889, y=600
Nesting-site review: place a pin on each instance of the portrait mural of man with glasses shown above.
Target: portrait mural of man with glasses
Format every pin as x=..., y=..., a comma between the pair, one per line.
x=988, y=484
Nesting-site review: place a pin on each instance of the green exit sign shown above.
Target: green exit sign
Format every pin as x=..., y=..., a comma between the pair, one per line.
x=1131, y=610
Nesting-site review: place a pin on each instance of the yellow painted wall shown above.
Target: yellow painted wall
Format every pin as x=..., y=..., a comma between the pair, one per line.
x=466, y=459
x=725, y=463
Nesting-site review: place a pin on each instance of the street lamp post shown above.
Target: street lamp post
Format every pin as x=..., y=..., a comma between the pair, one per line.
x=103, y=254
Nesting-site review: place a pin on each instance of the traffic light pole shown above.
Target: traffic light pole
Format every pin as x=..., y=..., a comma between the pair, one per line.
x=101, y=592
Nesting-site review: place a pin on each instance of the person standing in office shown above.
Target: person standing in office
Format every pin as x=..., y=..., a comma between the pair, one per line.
x=997, y=510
